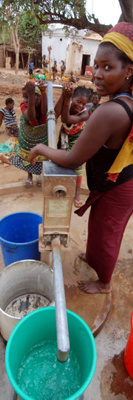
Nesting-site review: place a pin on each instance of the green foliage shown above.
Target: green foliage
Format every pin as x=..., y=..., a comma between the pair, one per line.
x=4, y=33
x=20, y=15
x=67, y=12
x=29, y=29
x=72, y=12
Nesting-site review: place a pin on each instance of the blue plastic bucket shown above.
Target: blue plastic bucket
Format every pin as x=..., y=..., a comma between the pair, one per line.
x=38, y=326
x=19, y=233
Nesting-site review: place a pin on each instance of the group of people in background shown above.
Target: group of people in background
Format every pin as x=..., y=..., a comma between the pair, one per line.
x=62, y=69
x=54, y=69
x=45, y=65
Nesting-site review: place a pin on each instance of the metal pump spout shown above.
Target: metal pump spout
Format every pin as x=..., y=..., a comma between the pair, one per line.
x=51, y=117
x=63, y=345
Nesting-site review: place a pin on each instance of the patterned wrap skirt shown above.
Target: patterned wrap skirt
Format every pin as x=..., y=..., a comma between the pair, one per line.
x=29, y=136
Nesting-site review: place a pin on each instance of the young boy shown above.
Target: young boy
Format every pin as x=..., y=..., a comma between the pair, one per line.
x=7, y=114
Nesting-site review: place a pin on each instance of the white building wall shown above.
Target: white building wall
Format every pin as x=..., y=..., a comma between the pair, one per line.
x=90, y=47
x=68, y=49
x=75, y=51
x=74, y=58
x=58, y=51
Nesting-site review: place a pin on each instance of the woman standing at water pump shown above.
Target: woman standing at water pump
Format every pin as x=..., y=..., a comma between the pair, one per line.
x=33, y=128
x=106, y=145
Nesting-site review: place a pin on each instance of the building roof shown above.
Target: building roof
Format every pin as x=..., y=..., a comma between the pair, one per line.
x=21, y=50
x=59, y=31
x=93, y=36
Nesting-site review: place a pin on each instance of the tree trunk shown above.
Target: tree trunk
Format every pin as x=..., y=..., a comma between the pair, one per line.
x=4, y=47
x=17, y=59
x=49, y=50
x=15, y=38
x=127, y=10
x=22, y=58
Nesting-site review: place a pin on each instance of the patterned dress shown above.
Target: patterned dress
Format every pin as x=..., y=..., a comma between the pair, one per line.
x=30, y=136
x=68, y=136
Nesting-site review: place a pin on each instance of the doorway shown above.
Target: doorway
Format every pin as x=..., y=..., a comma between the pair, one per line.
x=85, y=61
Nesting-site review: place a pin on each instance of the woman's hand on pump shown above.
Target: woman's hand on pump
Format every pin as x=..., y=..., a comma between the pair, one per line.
x=34, y=153
x=30, y=88
x=41, y=87
x=68, y=90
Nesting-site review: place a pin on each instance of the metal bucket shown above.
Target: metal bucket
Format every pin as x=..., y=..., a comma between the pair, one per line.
x=18, y=279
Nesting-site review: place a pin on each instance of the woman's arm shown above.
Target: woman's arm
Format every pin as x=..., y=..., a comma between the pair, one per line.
x=30, y=112
x=107, y=125
x=74, y=119
x=43, y=98
x=59, y=105
x=68, y=92
x=96, y=133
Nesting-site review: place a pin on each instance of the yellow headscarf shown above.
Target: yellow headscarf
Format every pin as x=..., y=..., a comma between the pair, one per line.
x=121, y=35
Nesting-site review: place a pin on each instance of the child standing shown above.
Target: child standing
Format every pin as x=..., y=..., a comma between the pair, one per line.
x=73, y=117
x=7, y=114
x=54, y=70
x=31, y=65
x=63, y=67
x=95, y=98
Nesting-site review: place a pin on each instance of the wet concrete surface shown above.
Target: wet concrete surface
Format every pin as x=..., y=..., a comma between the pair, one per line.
x=108, y=316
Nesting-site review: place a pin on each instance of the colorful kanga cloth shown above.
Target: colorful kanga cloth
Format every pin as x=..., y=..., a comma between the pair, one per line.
x=74, y=128
x=73, y=131
x=5, y=148
x=34, y=77
x=125, y=155
x=124, y=158
x=30, y=136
